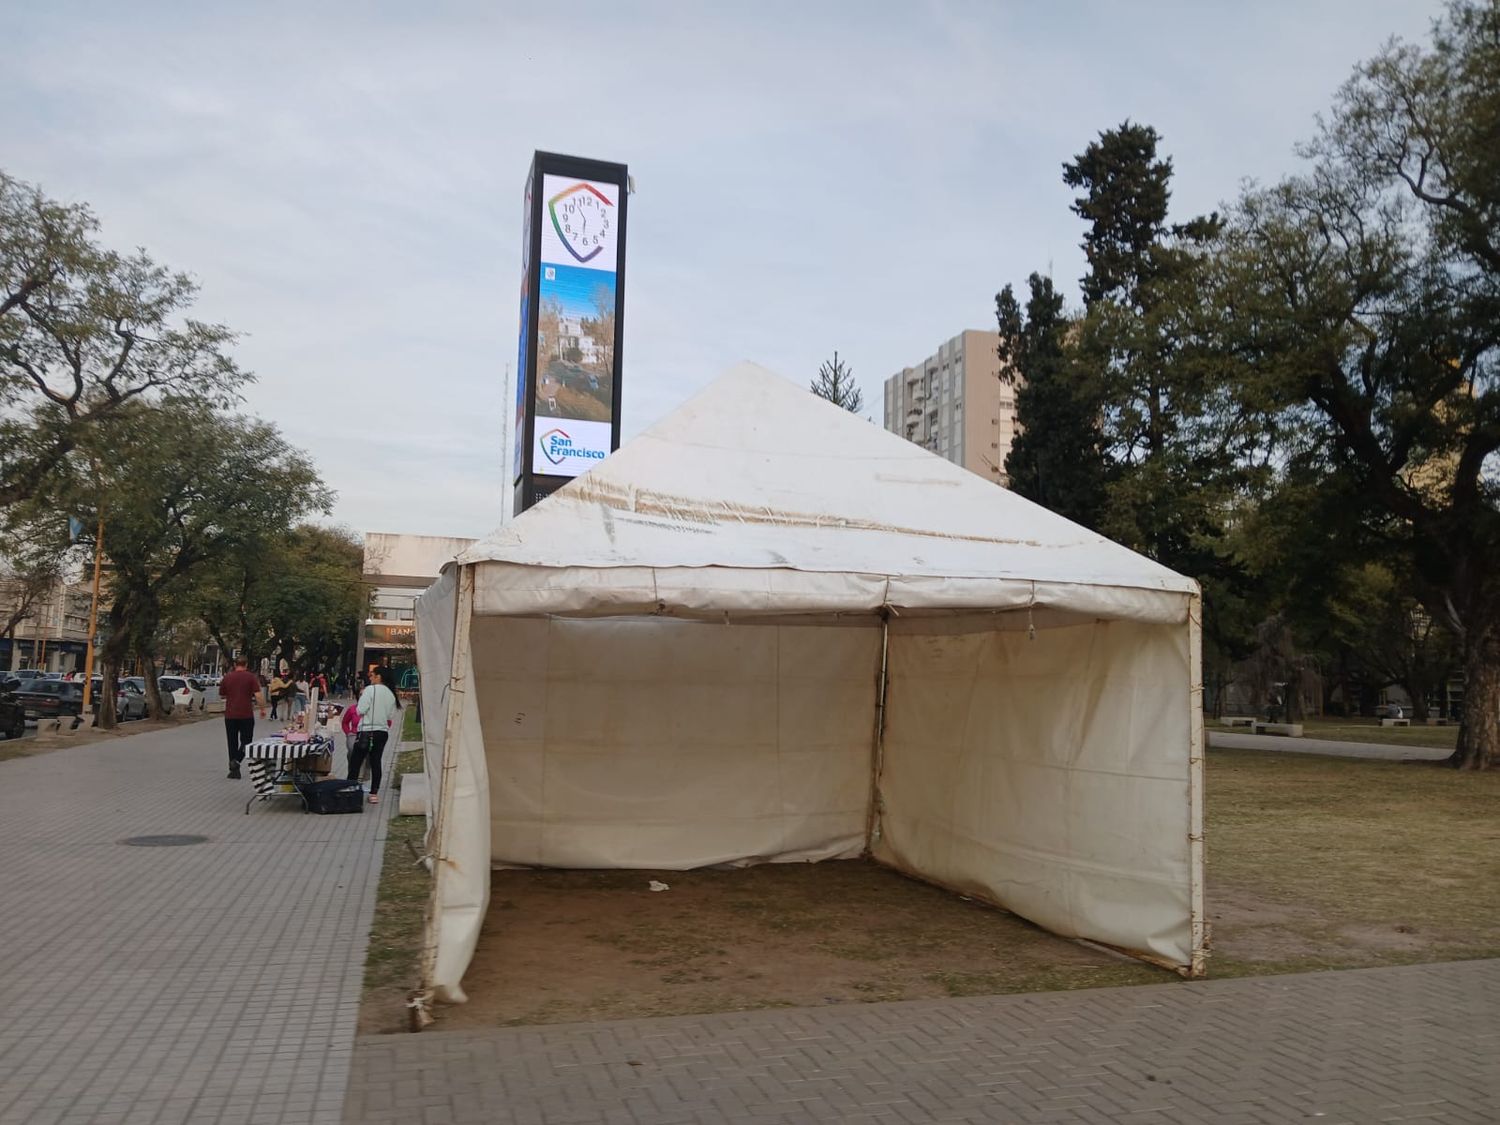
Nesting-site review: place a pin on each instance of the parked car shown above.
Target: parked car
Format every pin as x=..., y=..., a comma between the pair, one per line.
x=130, y=701
x=185, y=692
x=12, y=716
x=26, y=675
x=139, y=682
x=50, y=699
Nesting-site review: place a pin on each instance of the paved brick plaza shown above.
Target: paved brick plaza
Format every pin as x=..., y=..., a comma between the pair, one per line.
x=212, y=983
x=1413, y=1043
x=219, y=983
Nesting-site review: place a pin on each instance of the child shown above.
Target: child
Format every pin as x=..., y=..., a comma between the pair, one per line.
x=349, y=724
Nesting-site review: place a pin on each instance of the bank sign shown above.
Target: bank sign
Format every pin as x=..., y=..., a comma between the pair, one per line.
x=568, y=390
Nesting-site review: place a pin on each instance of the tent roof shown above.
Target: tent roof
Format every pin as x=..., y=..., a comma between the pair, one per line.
x=757, y=473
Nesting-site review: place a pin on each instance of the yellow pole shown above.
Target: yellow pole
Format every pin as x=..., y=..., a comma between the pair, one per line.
x=88, y=659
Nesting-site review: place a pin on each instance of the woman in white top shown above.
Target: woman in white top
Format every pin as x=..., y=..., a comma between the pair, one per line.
x=378, y=711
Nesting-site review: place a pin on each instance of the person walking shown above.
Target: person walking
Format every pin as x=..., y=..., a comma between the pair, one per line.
x=278, y=692
x=378, y=710
x=240, y=691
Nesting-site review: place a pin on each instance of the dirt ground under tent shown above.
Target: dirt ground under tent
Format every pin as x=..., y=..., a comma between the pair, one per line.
x=563, y=946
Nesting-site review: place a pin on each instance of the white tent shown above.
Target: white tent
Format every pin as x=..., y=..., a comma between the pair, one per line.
x=767, y=630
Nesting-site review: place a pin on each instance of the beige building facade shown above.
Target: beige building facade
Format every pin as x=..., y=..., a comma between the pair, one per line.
x=955, y=404
x=397, y=568
x=53, y=633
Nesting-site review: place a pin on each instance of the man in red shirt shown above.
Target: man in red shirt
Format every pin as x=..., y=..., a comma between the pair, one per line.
x=240, y=691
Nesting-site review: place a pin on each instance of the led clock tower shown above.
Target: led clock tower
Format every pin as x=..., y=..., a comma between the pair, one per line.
x=572, y=322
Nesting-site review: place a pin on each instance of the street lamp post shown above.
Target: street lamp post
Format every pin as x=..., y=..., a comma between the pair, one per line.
x=88, y=659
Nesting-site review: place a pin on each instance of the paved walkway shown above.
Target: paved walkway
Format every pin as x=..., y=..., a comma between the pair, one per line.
x=211, y=983
x=220, y=982
x=1375, y=1045
x=1373, y=750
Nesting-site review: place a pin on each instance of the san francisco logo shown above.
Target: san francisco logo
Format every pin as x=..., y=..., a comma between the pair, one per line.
x=557, y=447
x=581, y=215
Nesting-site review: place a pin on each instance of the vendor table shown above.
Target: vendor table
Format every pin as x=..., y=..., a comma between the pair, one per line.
x=276, y=765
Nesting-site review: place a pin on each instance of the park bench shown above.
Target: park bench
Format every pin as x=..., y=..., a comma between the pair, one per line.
x=1238, y=720
x=1395, y=722
x=1291, y=730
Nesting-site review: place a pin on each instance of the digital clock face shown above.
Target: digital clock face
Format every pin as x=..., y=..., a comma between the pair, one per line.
x=584, y=220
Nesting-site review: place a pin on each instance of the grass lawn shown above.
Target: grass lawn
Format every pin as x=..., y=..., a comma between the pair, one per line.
x=1370, y=730
x=396, y=932
x=411, y=725
x=1318, y=862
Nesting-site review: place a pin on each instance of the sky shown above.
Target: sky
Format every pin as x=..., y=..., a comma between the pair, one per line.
x=345, y=182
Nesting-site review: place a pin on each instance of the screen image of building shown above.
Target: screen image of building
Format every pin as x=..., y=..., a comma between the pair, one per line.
x=954, y=404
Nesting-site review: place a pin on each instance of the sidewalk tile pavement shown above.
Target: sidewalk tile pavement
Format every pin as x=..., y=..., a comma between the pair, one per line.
x=1415, y=1043
x=216, y=982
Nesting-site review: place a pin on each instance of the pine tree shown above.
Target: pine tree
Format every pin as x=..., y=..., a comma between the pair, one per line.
x=1055, y=458
x=835, y=382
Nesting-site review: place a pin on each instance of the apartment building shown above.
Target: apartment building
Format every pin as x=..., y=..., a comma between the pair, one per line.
x=954, y=404
x=52, y=631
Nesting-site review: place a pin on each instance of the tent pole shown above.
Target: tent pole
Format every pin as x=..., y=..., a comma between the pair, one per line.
x=1196, y=845
x=877, y=750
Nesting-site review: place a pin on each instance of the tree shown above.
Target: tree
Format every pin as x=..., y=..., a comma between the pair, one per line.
x=1389, y=634
x=1175, y=444
x=186, y=489
x=84, y=332
x=1056, y=458
x=297, y=597
x=1361, y=301
x=835, y=382
x=315, y=598
x=1184, y=460
x=31, y=567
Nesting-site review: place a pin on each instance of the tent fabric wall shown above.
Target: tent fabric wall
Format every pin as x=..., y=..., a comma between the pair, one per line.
x=435, y=610
x=1048, y=774
x=653, y=743
x=458, y=843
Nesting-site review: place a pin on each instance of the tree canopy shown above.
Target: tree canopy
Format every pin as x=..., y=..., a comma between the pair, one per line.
x=113, y=404
x=1057, y=458
x=85, y=331
x=1360, y=302
x=185, y=491
x=1298, y=401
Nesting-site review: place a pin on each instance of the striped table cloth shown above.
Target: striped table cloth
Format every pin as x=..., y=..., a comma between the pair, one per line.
x=271, y=759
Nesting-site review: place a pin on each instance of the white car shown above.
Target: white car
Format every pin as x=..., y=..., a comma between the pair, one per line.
x=184, y=692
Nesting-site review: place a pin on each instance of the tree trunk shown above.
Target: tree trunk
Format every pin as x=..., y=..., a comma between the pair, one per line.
x=1416, y=687
x=153, y=687
x=1479, y=734
x=109, y=688
x=113, y=654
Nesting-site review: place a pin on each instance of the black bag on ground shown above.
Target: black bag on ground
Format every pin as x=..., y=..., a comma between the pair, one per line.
x=333, y=796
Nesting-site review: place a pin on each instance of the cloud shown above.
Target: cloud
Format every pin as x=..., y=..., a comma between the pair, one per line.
x=345, y=181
